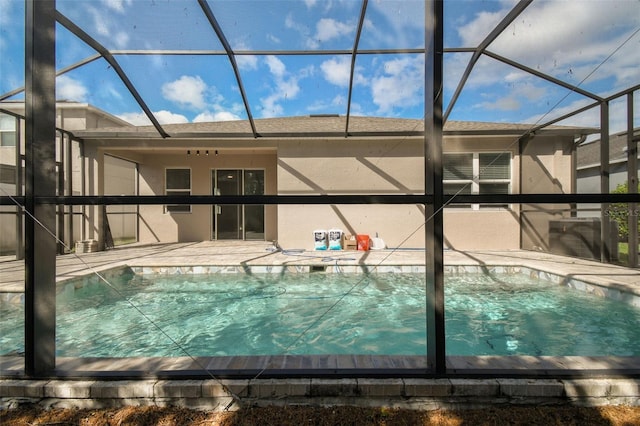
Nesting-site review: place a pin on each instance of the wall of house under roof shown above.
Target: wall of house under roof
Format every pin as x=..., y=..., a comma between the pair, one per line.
x=385, y=167
x=339, y=167
x=487, y=227
x=547, y=168
x=70, y=116
x=361, y=166
x=157, y=226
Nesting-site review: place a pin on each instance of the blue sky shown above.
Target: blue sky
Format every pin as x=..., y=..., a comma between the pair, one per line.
x=591, y=43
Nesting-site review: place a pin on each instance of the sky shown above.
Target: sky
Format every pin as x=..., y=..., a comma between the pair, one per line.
x=592, y=44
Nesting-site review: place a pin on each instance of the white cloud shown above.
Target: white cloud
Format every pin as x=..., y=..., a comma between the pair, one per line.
x=6, y=6
x=567, y=40
x=100, y=21
x=70, y=89
x=188, y=91
x=103, y=25
x=163, y=117
x=403, y=23
x=168, y=117
x=286, y=87
x=337, y=71
x=401, y=84
x=270, y=106
x=562, y=38
x=247, y=62
x=276, y=66
x=209, y=116
x=291, y=23
x=117, y=5
x=328, y=29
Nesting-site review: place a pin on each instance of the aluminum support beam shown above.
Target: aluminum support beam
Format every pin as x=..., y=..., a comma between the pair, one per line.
x=354, y=52
x=632, y=185
x=605, y=229
x=104, y=52
x=511, y=16
x=40, y=169
x=227, y=47
x=434, y=236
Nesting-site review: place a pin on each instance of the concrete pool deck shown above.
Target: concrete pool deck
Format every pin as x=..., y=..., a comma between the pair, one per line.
x=296, y=379
x=256, y=254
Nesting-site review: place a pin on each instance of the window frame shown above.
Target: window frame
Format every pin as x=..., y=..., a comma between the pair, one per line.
x=8, y=131
x=177, y=208
x=475, y=181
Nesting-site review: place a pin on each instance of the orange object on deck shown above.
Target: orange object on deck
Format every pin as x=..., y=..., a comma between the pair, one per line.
x=363, y=242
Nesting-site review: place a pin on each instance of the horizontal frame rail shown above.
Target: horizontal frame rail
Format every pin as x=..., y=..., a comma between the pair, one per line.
x=325, y=199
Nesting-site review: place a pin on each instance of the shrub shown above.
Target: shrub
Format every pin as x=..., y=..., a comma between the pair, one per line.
x=619, y=212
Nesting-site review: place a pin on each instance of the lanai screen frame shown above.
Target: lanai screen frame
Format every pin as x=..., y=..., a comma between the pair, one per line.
x=40, y=199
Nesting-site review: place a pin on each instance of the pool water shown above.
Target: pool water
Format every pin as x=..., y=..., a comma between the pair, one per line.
x=381, y=314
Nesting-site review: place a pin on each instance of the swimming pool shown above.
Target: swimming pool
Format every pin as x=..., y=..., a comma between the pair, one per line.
x=378, y=314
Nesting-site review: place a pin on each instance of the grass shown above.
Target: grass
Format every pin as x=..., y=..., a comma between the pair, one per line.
x=623, y=253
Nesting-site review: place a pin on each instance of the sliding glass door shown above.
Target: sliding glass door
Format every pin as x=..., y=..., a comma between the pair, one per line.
x=234, y=221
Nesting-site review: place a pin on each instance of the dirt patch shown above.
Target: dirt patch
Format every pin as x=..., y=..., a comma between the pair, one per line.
x=303, y=415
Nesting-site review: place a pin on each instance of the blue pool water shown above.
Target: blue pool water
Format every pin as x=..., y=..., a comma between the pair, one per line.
x=380, y=314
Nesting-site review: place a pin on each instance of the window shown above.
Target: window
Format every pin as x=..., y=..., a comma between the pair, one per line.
x=177, y=182
x=7, y=174
x=477, y=173
x=7, y=130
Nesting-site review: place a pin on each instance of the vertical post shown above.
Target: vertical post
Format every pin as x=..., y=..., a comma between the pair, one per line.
x=40, y=169
x=605, y=223
x=632, y=185
x=68, y=210
x=433, y=186
x=60, y=191
x=18, y=192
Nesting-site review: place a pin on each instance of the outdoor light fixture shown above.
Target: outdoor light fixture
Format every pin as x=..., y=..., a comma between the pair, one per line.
x=198, y=152
x=216, y=152
x=207, y=153
x=188, y=152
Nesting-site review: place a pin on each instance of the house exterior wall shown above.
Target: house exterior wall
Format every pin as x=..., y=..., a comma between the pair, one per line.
x=371, y=166
x=69, y=116
x=156, y=225
x=384, y=167
x=487, y=228
x=338, y=167
x=547, y=168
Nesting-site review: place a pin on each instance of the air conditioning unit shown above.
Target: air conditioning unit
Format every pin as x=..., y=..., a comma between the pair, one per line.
x=580, y=237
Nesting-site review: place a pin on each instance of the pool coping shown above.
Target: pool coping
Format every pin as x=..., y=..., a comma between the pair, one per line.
x=231, y=395
x=592, y=285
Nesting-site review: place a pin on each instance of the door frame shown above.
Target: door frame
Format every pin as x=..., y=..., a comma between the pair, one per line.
x=213, y=179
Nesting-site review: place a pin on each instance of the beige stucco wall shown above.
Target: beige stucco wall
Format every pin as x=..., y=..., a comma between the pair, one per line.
x=387, y=167
x=342, y=167
x=338, y=167
x=489, y=228
x=546, y=169
x=156, y=225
